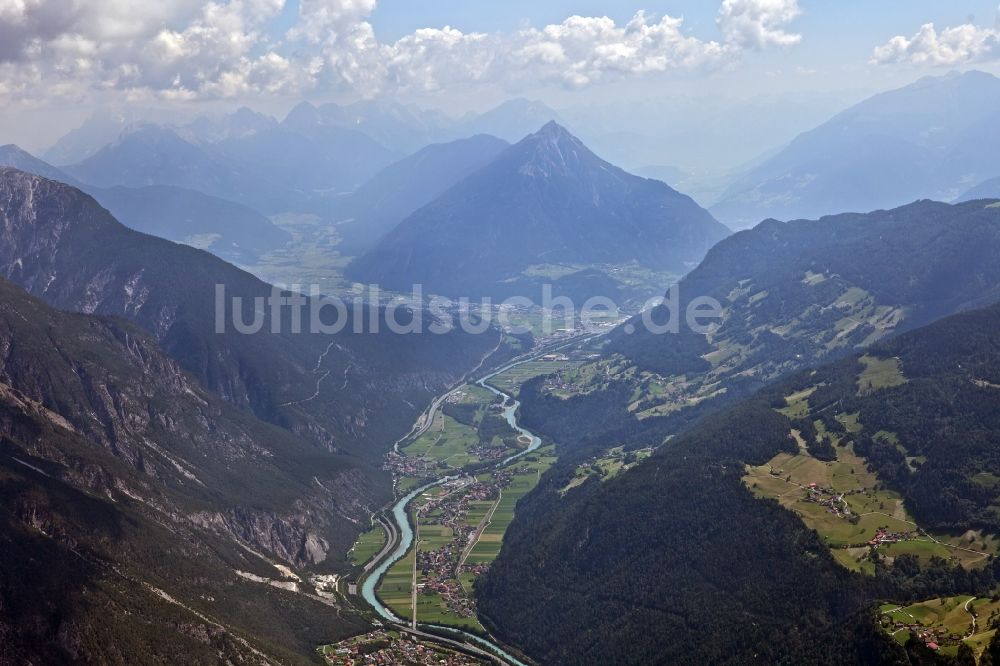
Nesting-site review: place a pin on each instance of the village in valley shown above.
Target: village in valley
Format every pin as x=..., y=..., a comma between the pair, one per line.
x=943, y=624
x=391, y=648
x=459, y=525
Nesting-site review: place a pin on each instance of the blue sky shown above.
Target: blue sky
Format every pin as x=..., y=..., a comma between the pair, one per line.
x=860, y=23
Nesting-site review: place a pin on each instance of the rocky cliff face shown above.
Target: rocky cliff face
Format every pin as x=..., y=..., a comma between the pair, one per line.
x=153, y=473
x=177, y=448
x=168, y=505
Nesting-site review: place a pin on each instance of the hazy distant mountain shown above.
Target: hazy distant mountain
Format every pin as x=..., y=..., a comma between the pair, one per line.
x=14, y=157
x=410, y=184
x=511, y=121
x=670, y=175
x=154, y=155
x=226, y=229
x=305, y=165
x=229, y=230
x=243, y=122
x=78, y=144
x=933, y=139
x=272, y=170
x=546, y=200
x=988, y=190
x=402, y=129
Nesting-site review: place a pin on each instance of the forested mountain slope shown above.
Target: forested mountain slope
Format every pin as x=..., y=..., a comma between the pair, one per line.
x=677, y=560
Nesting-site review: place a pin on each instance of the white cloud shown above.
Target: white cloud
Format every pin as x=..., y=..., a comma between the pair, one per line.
x=580, y=50
x=188, y=49
x=952, y=46
x=321, y=19
x=758, y=24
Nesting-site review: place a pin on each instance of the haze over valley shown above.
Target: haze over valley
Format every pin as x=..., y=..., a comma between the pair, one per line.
x=357, y=332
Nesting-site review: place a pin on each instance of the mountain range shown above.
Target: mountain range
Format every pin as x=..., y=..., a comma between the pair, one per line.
x=988, y=190
x=792, y=294
x=546, y=201
x=780, y=489
x=934, y=139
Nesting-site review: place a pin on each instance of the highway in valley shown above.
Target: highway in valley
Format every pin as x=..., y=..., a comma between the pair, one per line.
x=400, y=531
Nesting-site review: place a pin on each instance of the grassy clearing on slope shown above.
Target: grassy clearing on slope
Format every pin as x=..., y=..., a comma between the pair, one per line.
x=797, y=404
x=511, y=380
x=856, y=507
x=880, y=374
x=612, y=464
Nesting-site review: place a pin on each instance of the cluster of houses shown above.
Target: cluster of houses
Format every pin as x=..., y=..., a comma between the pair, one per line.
x=489, y=452
x=884, y=536
x=402, y=466
x=933, y=639
x=557, y=383
x=379, y=648
x=451, y=593
x=457, y=397
x=439, y=568
x=826, y=497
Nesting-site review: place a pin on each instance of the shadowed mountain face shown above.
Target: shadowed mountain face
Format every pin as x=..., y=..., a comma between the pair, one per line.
x=159, y=465
x=545, y=200
x=934, y=139
x=228, y=230
x=133, y=504
x=61, y=245
x=408, y=185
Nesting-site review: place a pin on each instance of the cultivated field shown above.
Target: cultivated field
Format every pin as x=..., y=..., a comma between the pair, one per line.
x=367, y=546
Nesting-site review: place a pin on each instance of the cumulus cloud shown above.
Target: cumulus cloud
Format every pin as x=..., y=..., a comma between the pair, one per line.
x=582, y=50
x=758, y=24
x=952, y=46
x=188, y=49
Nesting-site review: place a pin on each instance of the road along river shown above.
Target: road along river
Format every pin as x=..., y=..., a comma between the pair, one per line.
x=399, y=515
